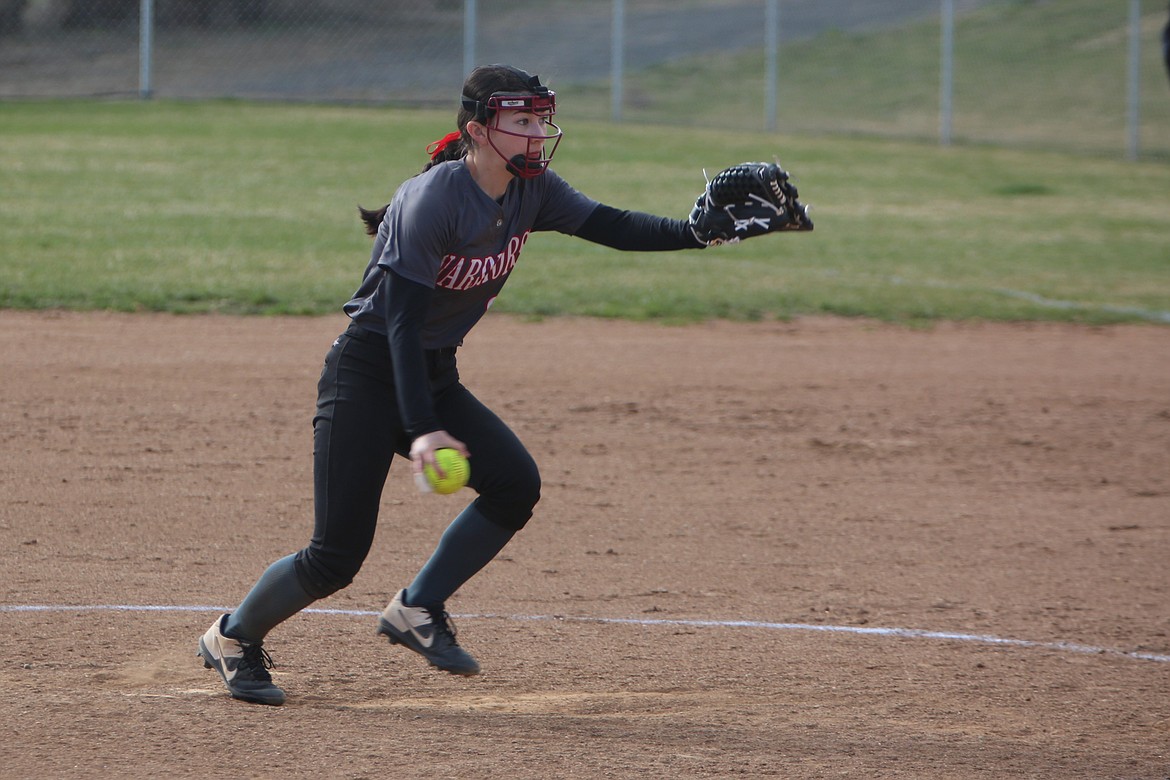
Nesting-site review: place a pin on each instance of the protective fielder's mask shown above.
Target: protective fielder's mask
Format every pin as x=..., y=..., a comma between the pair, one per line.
x=541, y=102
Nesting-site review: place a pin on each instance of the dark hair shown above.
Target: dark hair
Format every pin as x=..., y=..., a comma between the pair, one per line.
x=483, y=82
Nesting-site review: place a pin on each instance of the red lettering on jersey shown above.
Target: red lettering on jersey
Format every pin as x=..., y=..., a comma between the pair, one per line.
x=449, y=271
x=464, y=273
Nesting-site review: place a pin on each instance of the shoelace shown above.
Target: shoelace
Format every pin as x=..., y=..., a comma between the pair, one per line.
x=444, y=626
x=257, y=661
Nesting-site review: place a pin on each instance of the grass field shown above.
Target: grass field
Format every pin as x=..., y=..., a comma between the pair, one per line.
x=233, y=207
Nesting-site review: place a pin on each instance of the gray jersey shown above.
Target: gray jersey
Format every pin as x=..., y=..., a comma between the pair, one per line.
x=441, y=230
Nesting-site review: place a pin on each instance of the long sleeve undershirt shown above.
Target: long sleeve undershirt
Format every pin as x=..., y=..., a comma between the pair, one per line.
x=634, y=231
x=406, y=309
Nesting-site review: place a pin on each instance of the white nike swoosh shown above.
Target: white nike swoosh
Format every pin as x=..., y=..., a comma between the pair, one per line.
x=228, y=664
x=426, y=640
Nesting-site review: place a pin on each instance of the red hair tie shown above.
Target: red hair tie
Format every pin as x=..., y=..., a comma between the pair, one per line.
x=435, y=147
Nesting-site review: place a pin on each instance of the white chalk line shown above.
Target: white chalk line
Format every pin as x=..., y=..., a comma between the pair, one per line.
x=902, y=633
x=1150, y=315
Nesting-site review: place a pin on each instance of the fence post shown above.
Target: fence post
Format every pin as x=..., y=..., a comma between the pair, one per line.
x=617, y=59
x=946, y=73
x=469, y=27
x=1133, y=115
x=771, y=61
x=145, y=49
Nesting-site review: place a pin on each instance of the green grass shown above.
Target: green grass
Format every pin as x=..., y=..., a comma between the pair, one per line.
x=235, y=207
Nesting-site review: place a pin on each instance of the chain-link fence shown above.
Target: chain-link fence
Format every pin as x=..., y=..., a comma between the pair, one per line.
x=998, y=71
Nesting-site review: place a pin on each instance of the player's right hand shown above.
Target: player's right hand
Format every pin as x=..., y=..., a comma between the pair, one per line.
x=422, y=451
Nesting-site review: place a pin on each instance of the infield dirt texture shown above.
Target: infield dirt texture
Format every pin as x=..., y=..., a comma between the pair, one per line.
x=995, y=482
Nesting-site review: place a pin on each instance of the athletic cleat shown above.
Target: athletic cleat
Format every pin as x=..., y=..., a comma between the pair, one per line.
x=427, y=631
x=242, y=665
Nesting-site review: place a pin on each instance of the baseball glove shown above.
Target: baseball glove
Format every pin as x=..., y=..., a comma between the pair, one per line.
x=746, y=200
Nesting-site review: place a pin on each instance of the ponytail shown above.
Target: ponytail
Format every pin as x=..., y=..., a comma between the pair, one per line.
x=373, y=218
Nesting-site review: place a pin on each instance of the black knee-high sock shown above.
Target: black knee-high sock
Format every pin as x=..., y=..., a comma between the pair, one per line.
x=468, y=544
x=275, y=597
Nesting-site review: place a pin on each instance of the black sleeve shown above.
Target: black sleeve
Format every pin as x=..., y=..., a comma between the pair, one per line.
x=634, y=231
x=406, y=308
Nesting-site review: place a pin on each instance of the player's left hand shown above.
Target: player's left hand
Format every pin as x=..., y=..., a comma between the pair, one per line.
x=746, y=200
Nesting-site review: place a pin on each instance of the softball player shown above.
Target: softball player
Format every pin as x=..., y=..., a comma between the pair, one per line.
x=443, y=248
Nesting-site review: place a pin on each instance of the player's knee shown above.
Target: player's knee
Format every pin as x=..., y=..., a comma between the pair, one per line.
x=323, y=575
x=527, y=489
x=510, y=503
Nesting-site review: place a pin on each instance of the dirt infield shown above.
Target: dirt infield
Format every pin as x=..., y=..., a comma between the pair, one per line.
x=743, y=528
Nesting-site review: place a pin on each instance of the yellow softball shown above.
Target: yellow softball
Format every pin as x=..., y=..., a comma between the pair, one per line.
x=453, y=465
